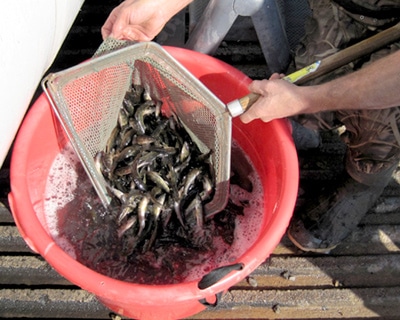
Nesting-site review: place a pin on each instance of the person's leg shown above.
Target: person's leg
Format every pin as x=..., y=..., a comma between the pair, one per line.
x=373, y=154
x=372, y=138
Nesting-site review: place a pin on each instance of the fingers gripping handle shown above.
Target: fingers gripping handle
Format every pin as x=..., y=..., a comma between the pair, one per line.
x=237, y=107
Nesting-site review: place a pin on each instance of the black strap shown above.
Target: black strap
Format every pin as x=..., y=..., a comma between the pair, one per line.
x=379, y=13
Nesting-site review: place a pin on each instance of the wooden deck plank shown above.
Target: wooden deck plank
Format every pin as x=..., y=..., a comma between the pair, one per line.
x=306, y=304
x=11, y=240
x=326, y=272
x=28, y=271
x=236, y=304
x=369, y=239
x=50, y=303
x=5, y=214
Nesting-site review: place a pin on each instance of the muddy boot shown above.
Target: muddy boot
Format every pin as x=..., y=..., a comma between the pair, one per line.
x=322, y=225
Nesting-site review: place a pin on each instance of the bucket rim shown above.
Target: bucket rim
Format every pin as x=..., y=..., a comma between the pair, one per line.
x=92, y=281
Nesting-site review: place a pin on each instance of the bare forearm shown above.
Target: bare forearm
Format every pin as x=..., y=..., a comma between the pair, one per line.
x=377, y=86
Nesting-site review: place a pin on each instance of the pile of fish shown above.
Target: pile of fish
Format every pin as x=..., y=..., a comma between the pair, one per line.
x=157, y=177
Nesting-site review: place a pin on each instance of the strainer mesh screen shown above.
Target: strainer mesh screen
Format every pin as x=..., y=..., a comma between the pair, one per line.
x=93, y=102
x=87, y=99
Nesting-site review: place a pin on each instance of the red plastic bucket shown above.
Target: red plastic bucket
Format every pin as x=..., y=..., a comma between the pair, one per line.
x=269, y=146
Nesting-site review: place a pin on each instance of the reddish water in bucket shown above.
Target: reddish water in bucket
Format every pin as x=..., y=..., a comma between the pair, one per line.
x=269, y=146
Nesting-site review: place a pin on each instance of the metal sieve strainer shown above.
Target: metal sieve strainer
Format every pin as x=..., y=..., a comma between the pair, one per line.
x=87, y=99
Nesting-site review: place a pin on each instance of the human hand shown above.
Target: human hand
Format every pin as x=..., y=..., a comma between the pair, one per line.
x=278, y=99
x=138, y=20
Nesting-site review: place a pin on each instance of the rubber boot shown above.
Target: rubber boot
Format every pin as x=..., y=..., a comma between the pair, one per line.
x=335, y=214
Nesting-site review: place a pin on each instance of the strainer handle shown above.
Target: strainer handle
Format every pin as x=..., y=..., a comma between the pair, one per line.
x=238, y=106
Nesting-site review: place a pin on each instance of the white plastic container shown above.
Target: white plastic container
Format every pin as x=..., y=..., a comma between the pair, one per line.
x=31, y=34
